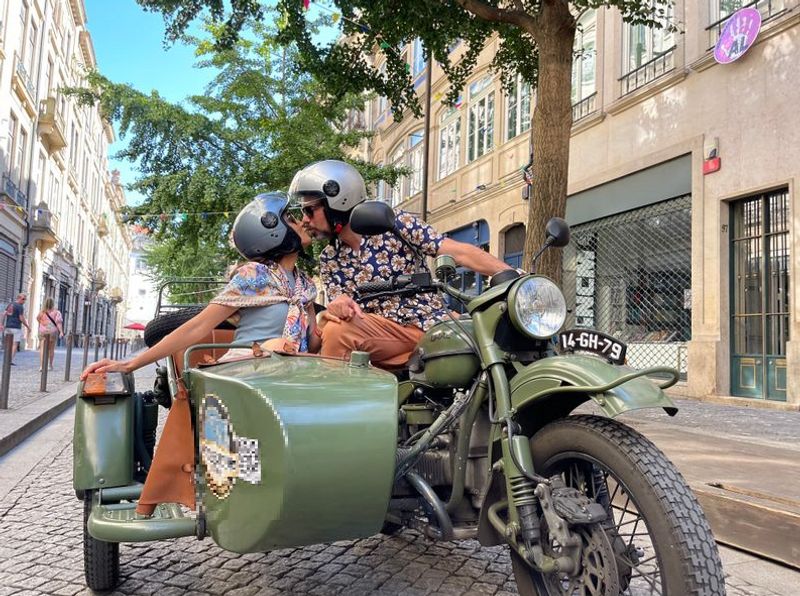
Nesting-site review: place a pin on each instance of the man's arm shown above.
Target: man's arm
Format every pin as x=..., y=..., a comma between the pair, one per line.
x=472, y=257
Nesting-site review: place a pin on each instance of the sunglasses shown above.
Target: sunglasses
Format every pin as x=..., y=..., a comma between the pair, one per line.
x=309, y=210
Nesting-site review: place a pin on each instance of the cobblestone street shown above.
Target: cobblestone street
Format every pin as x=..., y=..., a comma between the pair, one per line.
x=40, y=521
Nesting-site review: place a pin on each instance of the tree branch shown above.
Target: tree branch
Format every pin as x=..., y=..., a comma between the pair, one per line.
x=520, y=18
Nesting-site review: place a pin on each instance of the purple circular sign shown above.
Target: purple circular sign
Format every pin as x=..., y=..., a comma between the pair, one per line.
x=738, y=34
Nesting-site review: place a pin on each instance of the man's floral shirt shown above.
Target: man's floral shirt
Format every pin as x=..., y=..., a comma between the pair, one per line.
x=384, y=257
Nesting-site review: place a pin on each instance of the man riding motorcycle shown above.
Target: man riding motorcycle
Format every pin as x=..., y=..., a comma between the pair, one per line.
x=390, y=328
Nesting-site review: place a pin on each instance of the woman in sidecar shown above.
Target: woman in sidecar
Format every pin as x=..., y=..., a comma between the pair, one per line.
x=269, y=299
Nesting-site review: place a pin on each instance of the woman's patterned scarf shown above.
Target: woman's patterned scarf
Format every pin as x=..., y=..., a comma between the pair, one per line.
x=257, y=284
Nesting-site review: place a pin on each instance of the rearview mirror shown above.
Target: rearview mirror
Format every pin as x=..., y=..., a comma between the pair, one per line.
x=371, y=218
x=557, y=232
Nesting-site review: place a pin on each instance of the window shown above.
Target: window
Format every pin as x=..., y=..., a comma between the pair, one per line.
x=584, y=63
x=643, y=43
x=416, y=157
x=382, y=101
x=22, y=146
x=398, y=158
x=418, y=64
x=480, y=138
x=380, y=187
x=449, y=142
x=30, y=50
x=518, y=108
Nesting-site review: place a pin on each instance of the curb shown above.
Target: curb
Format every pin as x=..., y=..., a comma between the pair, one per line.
x=41, y=415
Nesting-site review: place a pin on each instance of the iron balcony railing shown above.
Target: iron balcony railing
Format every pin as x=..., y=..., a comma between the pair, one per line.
x=648, y=72
x=584, y=107
x=23, y=76
x=769, y=9
x=10, y=189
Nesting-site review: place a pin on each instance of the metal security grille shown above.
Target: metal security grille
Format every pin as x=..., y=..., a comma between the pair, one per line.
x=629, y=275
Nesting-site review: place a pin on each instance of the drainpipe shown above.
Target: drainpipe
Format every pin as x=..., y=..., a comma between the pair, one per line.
x=427, y=137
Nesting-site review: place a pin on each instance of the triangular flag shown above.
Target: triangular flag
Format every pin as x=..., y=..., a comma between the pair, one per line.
x=306, y=4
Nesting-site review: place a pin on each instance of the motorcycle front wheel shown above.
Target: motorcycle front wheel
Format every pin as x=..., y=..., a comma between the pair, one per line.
x=658, y=536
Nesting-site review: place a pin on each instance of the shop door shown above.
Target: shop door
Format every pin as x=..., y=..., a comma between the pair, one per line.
x=760, y=295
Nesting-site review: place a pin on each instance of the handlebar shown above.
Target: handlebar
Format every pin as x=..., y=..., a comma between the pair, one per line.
x=407, y=285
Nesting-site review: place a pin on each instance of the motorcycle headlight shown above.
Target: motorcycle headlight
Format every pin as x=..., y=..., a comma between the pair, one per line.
x=537, y=307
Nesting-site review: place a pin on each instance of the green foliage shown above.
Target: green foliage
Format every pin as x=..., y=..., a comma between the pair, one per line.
x=261, y=119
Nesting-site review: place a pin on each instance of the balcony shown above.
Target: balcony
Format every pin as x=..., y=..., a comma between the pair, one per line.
x=51, y=125
x=102, y=226
x=22, y=84
x=648, y=72
x=98, y=279
x=43, y=227
x=584, y=107
x=9, y=191
x=769, y=9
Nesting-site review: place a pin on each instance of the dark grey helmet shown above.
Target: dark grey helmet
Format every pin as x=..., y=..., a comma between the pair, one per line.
x=260, y=231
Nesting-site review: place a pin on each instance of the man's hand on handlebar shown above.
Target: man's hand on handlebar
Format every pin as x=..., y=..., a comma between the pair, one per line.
x=345, y=308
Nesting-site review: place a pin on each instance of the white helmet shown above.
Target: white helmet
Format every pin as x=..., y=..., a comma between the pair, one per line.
x=337, y=183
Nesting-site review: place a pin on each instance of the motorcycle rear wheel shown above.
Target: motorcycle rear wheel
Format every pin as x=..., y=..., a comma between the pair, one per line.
x=662, y=541
x=100, y=559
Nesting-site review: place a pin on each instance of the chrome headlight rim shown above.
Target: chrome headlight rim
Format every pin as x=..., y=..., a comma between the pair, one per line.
x=513, y=301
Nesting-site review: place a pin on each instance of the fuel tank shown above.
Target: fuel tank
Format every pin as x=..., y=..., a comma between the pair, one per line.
x=293, y=450
x=445, y=357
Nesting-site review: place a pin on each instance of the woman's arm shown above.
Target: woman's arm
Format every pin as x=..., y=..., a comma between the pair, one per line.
x=314, y=340
x=191, y=332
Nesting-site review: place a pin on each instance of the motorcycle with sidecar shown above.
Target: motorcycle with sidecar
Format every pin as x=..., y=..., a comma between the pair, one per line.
x=476, y=439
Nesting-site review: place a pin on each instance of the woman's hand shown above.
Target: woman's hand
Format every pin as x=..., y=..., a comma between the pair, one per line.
x=107, y=365
x=279, y=344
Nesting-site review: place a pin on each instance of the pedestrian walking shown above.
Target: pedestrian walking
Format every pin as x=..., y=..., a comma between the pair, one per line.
x=13, y=320
x=50, y=326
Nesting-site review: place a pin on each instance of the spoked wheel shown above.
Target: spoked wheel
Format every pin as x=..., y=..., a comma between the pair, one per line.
x=656, y=530
x=100, y=559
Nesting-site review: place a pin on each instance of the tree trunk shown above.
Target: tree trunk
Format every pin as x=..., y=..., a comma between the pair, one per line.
x=550, y=133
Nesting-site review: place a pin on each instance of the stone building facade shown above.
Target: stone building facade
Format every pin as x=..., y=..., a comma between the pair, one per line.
x=60, y=235
x=682, y=188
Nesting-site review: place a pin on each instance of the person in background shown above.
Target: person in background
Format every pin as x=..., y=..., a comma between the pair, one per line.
x=388, y=328
x=50, y=327
x=268, y=296
x=13, y=320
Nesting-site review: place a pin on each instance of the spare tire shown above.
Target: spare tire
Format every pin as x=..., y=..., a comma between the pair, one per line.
x=165, y=324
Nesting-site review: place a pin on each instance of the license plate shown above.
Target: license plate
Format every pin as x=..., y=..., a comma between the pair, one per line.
x=588, y=340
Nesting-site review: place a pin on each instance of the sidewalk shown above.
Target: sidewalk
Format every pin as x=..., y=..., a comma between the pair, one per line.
x=30, y=409
x=744, y=466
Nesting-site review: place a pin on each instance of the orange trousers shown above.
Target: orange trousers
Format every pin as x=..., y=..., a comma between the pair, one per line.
x=389, y=344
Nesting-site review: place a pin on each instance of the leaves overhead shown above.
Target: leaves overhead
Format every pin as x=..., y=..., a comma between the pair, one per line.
x=261, y=119
x=535, y=41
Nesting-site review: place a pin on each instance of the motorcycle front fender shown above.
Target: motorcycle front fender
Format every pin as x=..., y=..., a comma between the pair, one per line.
x=562, y=382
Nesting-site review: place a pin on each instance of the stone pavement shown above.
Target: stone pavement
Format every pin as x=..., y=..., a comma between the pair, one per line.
x=40, y=521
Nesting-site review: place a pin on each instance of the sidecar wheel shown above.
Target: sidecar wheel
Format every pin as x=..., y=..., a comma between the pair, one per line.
x=100, y=559
x=659, y=535
x=165, y=324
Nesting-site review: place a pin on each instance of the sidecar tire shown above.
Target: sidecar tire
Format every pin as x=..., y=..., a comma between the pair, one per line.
x=165, y=324
x=100, y=559
x=689, y=562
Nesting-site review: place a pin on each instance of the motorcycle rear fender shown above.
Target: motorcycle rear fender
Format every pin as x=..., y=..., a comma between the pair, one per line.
x=102, y=451
x=551, y=388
